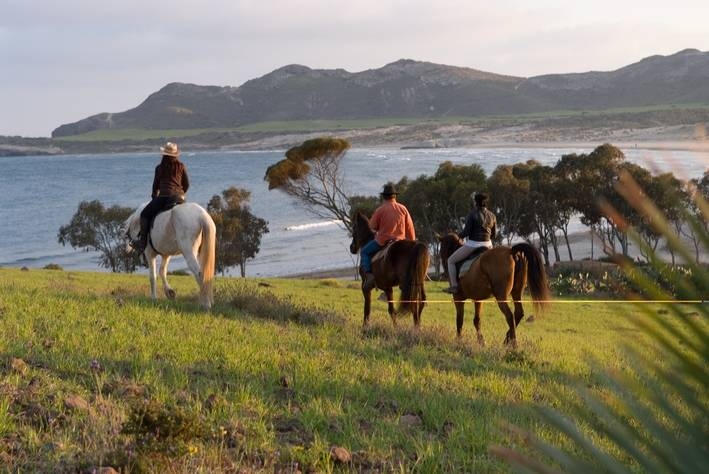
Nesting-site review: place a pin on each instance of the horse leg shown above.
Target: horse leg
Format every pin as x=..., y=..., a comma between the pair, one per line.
x=192, y=263
x=511, y=337
x=459, y=316
x=152, y=275
x=169, y=292
x=476, y=321
x=417, y=309
x=367, y=306
x=519, y=309
x=389, y=292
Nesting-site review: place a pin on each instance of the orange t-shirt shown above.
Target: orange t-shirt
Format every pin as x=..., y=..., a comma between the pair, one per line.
x=392, y=221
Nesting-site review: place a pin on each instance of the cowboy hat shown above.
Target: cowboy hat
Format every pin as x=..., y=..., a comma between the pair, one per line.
x=170, y=149
x=389, y=190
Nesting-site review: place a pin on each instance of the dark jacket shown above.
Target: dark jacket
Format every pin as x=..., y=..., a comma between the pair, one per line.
x=480, y=226
x=170, y=178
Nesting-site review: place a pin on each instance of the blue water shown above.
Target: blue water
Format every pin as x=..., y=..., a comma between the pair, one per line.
x=38, y=194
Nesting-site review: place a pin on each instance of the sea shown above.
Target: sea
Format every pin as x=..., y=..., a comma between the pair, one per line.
x=39, y=194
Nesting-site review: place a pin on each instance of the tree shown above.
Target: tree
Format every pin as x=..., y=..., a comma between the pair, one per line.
x=509, y=194
x=95, y=227
x=439, y=204
x=239, y=232
x=697, y=212
x=594, y=175
x=651, y=416
x=670, y=195
x=311, y=174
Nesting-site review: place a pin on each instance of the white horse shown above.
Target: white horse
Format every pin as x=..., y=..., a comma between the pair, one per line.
x=185, y=229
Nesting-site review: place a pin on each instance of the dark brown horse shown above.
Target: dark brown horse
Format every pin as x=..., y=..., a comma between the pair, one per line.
x=405, y=264
x=499, y=272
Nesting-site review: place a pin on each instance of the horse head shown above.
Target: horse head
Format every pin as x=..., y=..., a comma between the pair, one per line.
x=449, y=243
x=361, y=232
x=131, y=227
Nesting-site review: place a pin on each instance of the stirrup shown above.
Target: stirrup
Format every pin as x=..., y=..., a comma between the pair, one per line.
x=138, y=246
x=369, y=282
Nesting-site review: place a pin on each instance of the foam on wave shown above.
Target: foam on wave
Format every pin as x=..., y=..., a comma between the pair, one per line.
x=312, y=225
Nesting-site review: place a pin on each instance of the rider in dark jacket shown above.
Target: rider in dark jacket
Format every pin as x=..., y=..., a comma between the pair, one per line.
x=479, y=231
x=169, y=187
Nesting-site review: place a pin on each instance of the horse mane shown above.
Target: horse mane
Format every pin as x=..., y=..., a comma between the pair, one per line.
x=134, y=218
x=361, y=222
x=451, y=238
x=362, y=217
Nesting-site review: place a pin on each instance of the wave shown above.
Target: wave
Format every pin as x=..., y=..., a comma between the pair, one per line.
x=312, y=225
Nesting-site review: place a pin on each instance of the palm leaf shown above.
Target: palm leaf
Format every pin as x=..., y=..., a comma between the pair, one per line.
x=657, y=414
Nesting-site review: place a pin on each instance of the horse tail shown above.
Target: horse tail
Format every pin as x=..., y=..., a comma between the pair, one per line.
x=207, y=258
x=536, y=274
x=412, y=288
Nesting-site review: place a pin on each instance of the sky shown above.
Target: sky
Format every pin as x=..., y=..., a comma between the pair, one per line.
x=64, y=60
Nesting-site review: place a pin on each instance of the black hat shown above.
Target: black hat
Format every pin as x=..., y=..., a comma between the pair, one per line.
x=389, y=190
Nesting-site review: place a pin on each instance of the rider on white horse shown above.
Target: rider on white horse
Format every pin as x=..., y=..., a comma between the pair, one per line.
x=186, y=230
x=169, y=187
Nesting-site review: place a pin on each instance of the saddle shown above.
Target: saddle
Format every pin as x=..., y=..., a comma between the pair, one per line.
x=169, y=206
x=381, y=254
x=465, y=265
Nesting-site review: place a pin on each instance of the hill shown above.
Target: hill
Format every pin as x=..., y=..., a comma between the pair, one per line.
x=408, y=89
x=95, y=374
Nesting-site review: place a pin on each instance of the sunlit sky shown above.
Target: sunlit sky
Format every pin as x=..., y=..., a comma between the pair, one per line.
x=64, y=60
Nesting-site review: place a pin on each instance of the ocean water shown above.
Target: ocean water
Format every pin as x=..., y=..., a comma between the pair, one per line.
x=38, y=194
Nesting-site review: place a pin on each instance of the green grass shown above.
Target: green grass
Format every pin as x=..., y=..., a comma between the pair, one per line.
x=137, y=134
x=308, y=126
x=292, y=126
x=275, y=376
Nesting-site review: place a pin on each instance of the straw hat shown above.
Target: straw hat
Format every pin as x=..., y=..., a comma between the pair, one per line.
x=170, y=149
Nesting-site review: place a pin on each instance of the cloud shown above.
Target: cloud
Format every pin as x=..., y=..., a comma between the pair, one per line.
x=66, y=60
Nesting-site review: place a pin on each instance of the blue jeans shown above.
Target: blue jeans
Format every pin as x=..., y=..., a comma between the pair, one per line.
x=366, y=254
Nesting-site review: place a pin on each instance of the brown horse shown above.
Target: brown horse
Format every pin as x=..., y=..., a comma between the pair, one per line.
x=499, y=272
x=405, y=264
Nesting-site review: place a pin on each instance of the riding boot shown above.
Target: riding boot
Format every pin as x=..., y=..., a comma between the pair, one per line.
x=369, y=282
x=142, y=241
x=453, y=289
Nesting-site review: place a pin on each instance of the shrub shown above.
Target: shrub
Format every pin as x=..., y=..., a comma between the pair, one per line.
x=653, y=417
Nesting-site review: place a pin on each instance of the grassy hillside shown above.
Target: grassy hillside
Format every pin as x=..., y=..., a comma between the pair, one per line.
x=94, y=373
x=632, y=117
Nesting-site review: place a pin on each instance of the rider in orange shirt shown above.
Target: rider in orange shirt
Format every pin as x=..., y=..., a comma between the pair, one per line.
x=391, y=221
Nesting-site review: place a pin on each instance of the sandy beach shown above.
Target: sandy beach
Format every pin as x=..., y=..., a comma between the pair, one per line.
x=585, y=248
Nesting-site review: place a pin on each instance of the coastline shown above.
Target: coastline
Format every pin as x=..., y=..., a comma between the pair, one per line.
x=558, y=133
x=586, y=251
x=581, y=243
x=341, y=273
x=673, y=145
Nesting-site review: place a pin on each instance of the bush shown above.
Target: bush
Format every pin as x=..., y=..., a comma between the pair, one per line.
x=652, y=417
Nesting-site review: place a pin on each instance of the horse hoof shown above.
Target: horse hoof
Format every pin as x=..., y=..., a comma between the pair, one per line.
x=170, y=294
x=512, y=343
x=481, y=341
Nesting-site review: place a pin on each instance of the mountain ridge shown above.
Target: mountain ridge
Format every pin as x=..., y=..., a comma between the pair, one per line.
x=408, y=89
